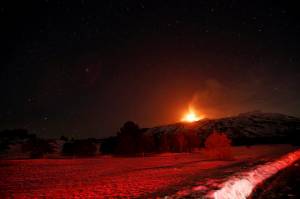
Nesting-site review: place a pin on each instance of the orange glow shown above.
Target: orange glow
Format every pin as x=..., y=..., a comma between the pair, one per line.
x=191, y=116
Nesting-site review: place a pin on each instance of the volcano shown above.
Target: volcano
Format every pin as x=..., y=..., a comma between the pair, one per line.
x=244, y=129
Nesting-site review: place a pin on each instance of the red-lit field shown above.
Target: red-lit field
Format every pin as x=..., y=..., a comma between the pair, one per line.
x=160, y=175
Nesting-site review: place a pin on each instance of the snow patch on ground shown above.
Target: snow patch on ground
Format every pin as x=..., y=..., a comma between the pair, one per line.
x=242, y=184
x=156, y=176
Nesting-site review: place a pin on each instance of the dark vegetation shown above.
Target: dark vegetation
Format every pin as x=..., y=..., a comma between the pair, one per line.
x=80, y=148
x=132, y=140
x=37, y=147
x=218, y=146
x=9, y=137
x=30, y=143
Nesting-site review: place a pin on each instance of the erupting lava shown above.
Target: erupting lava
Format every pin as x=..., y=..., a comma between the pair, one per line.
x=191, y=116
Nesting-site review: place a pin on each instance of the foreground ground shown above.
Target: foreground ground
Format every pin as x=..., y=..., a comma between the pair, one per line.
x=286, y=184
x=160, y=175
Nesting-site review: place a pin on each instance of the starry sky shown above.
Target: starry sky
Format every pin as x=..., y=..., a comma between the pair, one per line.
x=83, y=68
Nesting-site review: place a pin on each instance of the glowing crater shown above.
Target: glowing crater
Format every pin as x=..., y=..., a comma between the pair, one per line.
x=191, y=116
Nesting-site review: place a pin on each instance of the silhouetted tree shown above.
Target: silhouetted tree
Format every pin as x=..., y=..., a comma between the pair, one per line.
x=193, y=141
x=85, y=147
x=68, y=148
x=165, y=143
x=145, y=143
x=80, y=148
x=37, y=147
x=178, y=142
x=128, y=138
x=109, y=145
x=218, y=146
x=10, y=137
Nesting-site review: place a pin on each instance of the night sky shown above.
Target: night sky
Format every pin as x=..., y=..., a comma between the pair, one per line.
x=83, y=68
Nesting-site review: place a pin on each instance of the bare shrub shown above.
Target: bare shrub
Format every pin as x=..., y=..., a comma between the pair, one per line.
x=218, y=146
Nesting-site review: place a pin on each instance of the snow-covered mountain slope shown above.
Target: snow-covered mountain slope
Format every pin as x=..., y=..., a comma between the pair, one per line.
x=244, y=128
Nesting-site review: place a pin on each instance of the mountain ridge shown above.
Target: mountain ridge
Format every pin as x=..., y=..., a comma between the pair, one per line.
x=244, y=128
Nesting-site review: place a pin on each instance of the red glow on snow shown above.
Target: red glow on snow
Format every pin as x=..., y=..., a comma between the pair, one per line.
x=242, y=184
x=138, y=177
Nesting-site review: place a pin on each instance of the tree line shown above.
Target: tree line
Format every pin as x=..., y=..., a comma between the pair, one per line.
x=133, y=140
